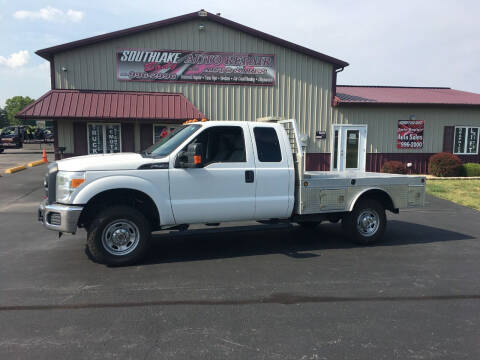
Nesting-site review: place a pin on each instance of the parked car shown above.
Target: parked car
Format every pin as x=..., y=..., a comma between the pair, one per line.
x=210, y=173
x=12, y=136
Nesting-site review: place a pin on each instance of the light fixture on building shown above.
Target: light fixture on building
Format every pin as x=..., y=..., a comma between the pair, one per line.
x=64, y=69
x=201, y=27
x=202, y=13
x=412, y=117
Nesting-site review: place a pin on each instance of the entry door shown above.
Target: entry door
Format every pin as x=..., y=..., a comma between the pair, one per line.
x=222, y=190
x=349, y=147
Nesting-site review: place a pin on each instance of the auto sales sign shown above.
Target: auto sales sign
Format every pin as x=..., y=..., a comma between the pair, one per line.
x=195, y=67
x=410, y=134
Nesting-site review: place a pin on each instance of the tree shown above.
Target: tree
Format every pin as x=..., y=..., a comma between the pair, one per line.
x=3, y=118
x=14, y=105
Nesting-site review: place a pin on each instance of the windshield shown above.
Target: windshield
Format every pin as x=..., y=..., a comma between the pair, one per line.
x=169, y=143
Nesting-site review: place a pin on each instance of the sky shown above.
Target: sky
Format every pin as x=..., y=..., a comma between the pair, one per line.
x=401, y=43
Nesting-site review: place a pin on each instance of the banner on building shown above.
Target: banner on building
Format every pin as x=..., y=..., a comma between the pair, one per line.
x=410, y=134
x=195, y=67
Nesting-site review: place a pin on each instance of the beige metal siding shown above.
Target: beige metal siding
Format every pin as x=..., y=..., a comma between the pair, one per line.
x=65, y=135
x=302, y=89
x=383, y=121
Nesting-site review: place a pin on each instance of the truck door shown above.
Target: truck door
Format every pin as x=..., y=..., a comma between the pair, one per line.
x=273, y=175
x=222, y=190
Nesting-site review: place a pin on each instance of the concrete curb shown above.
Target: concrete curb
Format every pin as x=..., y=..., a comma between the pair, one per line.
x=15, y=169
x=36, y=163
x=453, y=178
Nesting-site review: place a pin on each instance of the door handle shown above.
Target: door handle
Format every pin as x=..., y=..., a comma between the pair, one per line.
x=249, y=176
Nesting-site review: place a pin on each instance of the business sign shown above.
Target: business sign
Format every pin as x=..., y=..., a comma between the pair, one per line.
x=195, y=67
x=410, y=134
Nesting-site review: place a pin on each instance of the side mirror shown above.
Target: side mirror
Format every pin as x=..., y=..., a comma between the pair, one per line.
x=191, y=158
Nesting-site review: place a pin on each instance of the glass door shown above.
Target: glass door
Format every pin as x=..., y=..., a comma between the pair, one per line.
x=349, y=147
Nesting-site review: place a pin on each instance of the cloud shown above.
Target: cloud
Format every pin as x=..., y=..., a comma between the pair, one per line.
x=50, y=14
x=15, y=60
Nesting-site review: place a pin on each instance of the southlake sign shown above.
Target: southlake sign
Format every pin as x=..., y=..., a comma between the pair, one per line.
x=195, y=67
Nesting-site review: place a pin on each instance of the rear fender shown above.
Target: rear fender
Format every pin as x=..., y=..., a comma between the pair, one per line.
x=364, y=192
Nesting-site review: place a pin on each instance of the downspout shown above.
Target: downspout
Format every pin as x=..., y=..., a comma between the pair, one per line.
x=334, y=83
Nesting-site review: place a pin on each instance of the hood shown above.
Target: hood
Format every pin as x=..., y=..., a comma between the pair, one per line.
x=105, y=162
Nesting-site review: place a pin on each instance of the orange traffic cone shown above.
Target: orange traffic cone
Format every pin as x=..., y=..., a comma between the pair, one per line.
x=44, y=156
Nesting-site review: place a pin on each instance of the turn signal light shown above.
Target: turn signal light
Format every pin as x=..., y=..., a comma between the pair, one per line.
x=197, y=159
x=77, y=182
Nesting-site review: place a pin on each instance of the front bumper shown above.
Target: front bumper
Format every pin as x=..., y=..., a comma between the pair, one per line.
x=58, y=217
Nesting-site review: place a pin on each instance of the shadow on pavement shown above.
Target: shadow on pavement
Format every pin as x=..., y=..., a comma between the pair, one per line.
x=290, y=240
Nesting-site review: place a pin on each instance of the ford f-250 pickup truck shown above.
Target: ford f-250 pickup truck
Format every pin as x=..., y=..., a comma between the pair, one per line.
x=209, y=173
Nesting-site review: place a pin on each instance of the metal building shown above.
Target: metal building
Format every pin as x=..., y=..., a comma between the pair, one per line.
x=124, y=90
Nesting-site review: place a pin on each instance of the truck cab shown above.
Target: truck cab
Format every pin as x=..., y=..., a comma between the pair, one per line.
x=209, y=172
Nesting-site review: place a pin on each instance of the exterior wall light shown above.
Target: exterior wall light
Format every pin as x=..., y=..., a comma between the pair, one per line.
x=201, y=27
x=64, y=69
x=202, y=13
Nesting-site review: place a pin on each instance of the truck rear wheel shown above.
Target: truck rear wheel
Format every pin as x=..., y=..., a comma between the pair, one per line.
x=120, y=235
x=366, y=223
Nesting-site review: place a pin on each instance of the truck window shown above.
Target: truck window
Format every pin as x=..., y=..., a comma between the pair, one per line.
x=268, y=147
x=222, y=144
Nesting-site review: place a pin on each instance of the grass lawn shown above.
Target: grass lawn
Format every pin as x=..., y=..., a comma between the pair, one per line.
x=463, y=192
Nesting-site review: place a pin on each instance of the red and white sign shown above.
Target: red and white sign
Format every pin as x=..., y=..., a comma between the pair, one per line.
x=410, y=134
x=195, y=66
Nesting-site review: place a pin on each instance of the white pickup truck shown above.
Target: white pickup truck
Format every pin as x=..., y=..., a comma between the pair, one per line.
x=209, y=173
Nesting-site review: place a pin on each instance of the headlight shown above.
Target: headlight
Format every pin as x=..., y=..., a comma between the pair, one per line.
x=67, y=182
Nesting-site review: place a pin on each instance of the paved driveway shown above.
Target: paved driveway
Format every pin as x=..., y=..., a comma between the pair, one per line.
x=246, y=292
x=29, y=152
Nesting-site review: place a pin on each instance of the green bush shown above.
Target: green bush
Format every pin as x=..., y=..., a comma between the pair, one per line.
x=394, y=167
x=470, y=169
x=444, y=165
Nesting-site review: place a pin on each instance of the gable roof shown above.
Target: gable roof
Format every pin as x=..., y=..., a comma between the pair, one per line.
x=111, y=105
x=47, y=53
x=352, y=94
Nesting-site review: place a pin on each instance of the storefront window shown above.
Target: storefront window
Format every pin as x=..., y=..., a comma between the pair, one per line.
x=103, y=138
x=466, y=140
x=160, y=131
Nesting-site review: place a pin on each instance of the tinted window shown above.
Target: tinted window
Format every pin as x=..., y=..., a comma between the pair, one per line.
x=268, y=147
x=222, y=144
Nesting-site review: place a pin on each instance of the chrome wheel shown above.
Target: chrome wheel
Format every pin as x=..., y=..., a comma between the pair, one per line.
x=120, y=237
x=368, y=222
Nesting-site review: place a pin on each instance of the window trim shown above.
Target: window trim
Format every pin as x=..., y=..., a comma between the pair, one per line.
x=103, y=124
x=466, y=135
x=162, y=124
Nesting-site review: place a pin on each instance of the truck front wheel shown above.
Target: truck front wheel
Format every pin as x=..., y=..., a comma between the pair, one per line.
x=366, y=223
x=119, y=235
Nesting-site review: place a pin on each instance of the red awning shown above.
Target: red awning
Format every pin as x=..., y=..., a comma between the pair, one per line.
x=108, y=105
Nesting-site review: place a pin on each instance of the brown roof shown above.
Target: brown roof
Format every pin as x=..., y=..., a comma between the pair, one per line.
x=352, y=94
x=111, y=105
x=47, y=53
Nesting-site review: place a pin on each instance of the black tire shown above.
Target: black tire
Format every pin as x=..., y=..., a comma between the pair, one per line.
x=109, y=221
x=309, y=224
x=360, y=224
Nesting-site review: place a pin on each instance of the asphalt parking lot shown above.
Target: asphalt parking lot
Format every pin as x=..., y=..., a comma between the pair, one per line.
x=30, y=152
x=245, y=292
